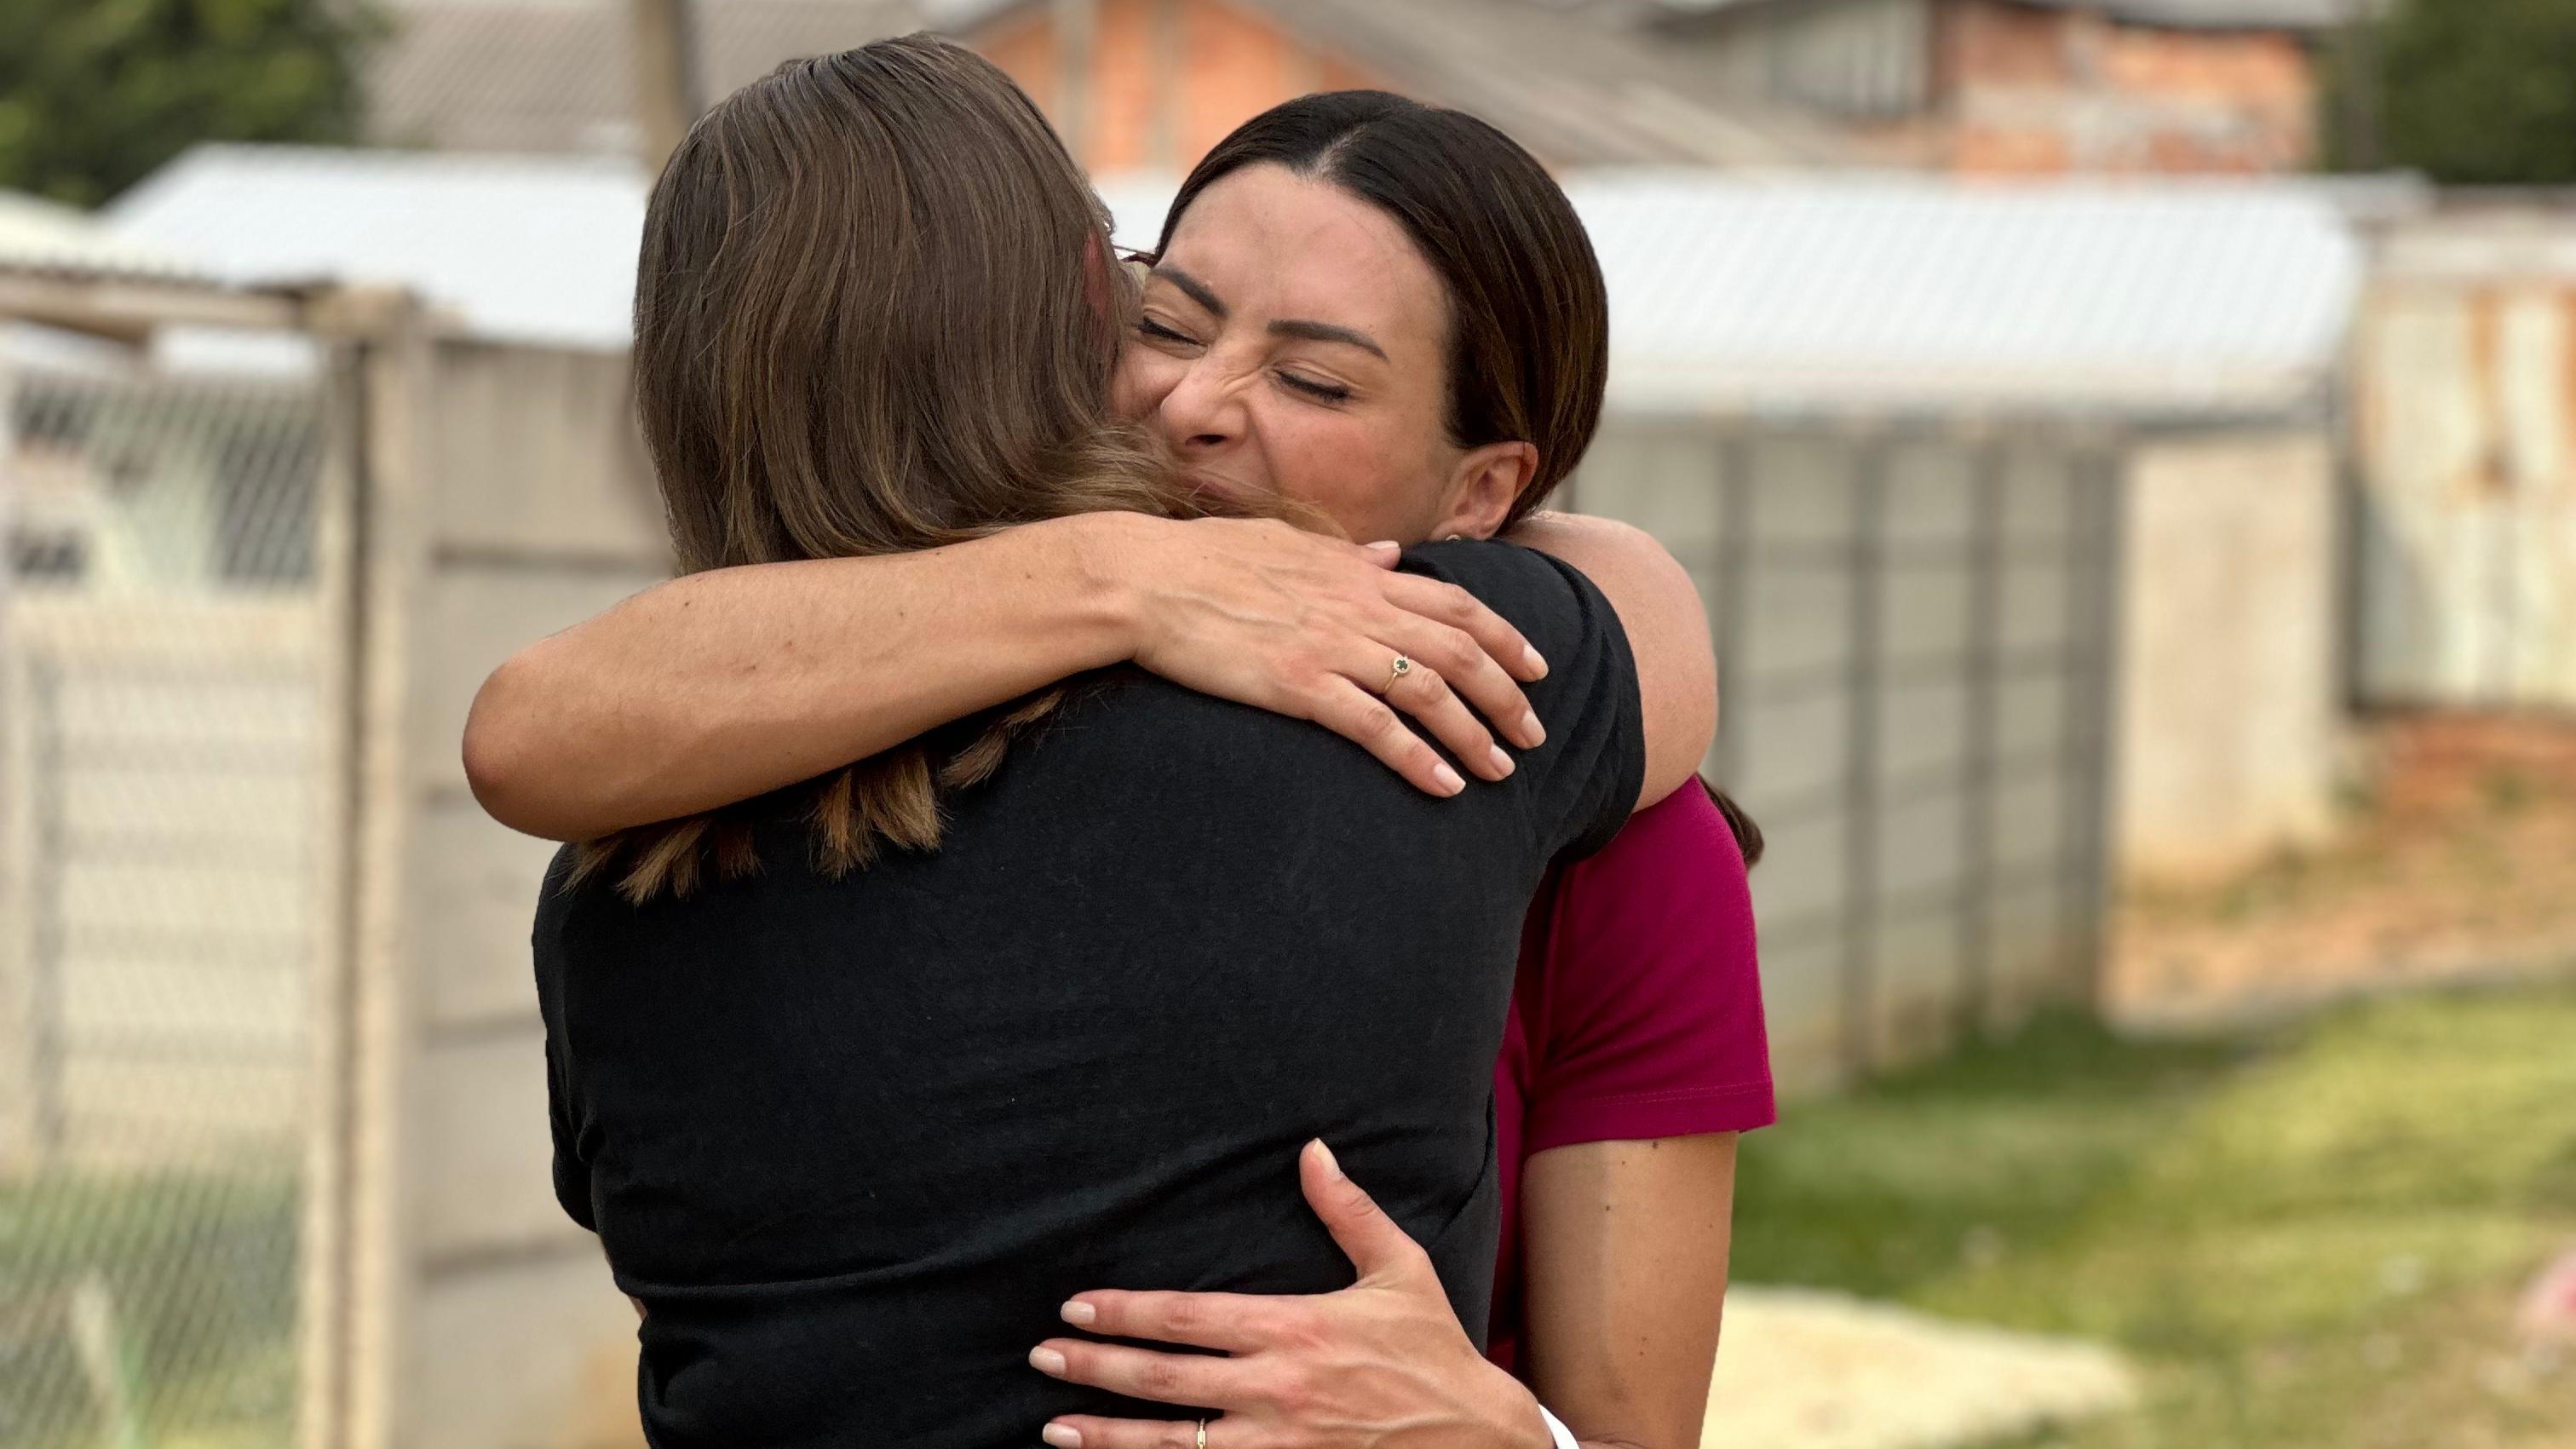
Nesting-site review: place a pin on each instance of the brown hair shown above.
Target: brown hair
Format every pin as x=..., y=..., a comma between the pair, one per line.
x=1529, y=316
x=874, y=313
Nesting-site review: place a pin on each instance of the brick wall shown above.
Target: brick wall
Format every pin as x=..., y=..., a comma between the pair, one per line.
x=2031, y=90
x=1233, y=64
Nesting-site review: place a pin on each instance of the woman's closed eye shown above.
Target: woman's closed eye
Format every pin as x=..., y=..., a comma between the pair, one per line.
x=1153, y=331
x=1319, y=391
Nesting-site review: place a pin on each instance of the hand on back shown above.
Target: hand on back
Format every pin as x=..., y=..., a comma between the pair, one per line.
x=1381, y=1364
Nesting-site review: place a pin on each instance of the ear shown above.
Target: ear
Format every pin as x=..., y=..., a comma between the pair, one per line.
x=1481, y=490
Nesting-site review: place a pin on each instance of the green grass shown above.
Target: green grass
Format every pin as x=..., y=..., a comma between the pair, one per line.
x=200, y=1271
x=2309, y=1238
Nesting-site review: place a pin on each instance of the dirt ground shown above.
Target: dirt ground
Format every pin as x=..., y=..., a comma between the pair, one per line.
x=2455, y=857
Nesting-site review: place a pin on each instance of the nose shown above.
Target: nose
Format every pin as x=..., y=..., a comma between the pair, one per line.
x=1203, y=413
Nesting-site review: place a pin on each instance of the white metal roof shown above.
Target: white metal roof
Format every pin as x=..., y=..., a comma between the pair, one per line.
x=1900, y=291
x=1814, y=292
x=37, y=235
x=522, y=248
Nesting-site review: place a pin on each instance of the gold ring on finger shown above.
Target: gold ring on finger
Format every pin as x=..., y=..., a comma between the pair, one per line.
x=1394, y=672
x=1202, y=1444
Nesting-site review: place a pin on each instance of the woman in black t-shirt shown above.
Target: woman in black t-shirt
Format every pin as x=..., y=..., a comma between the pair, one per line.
x=858, y=1080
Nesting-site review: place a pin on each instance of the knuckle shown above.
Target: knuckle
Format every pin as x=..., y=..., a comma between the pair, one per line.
x=1458, y=651
x=1304, y=1332
x=1181, y=1316
x=1161, y=1379
x=1295, y=1393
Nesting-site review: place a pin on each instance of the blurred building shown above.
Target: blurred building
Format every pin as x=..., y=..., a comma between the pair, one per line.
x=2039, y=86
x=559, y=76
x=2013, y=86
x=2464, y=405
x=1155, y=83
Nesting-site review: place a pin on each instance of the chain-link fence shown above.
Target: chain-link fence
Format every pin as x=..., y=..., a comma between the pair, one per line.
x=160, y=716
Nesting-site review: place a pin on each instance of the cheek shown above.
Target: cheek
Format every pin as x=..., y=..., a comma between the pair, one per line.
x=1349, y=467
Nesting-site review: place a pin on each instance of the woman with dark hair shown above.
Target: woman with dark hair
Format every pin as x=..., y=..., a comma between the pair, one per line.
x=1341, y=320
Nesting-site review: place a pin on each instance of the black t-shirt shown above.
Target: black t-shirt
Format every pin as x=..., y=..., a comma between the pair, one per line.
x=852, y=1141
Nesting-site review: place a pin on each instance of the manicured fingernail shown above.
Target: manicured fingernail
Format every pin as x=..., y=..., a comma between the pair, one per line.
x=1531, y=661
x=1533, y=730
x=1077, y=1311
x=1502, y=762
x=1447, y=779
x=1332, y=1164
x=1046, y=1361
x=1062, y=1436
x=1385, y=545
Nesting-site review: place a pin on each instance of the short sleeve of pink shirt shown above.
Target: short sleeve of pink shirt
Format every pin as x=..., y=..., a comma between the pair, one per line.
x=1638, y=1011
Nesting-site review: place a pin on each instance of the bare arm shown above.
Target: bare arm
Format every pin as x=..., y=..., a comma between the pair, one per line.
x=1627, y=1256
x=1667, y=631
x=721, y=685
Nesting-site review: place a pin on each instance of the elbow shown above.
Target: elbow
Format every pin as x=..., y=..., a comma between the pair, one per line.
x=503, y=761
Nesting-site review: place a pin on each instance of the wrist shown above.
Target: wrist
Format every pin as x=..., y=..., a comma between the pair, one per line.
x=1524, y=1421
x=1097, y=575
x=1558, y=1435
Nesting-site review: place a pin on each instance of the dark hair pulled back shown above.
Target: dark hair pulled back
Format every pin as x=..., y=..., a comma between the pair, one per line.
x=1529, y=317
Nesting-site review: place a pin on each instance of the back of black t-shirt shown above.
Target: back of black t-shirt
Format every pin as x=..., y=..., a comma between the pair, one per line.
x=852, y=1141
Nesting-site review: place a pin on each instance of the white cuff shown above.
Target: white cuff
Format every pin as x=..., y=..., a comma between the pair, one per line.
x=1557, y=1431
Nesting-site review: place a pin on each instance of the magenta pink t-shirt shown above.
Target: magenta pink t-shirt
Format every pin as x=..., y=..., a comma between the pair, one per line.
x=1638, y=1012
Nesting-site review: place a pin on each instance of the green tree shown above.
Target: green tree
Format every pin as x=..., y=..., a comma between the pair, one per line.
x=96, y=93
x=2480, y=92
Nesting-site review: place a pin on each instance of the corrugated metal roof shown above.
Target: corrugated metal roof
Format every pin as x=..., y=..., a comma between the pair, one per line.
x=37, y=235
x=1900, y=290
x=1907, y=292
x=521, y=248
x=1725, y=292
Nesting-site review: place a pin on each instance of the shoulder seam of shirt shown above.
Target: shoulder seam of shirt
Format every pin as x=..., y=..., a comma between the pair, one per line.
x=1747, y=1087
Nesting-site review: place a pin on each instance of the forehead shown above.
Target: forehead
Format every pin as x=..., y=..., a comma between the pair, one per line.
x=1272, y=243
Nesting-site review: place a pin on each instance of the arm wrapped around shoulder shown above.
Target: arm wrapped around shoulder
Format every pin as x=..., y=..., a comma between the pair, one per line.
x=1581, y=783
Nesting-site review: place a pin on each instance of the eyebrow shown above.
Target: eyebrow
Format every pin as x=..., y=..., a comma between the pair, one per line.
x=1326, y=332
x=1199, y=292
x=1194, y=289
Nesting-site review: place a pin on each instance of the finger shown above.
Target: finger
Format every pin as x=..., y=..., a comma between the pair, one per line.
x=1423, y=694
x=1455, y=607
x=1233, y=1322
x=1465, y=667
x=1083, y=1431
x=1191, y=1380
x=1368, y=1237
x=1364, y=719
